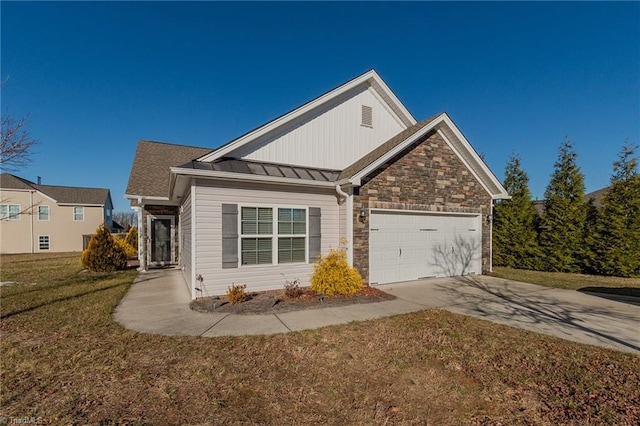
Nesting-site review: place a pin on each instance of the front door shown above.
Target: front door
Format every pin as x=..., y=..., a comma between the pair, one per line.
x=161, y=242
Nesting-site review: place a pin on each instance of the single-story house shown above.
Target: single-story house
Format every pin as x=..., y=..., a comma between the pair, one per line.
x=351, y=168
x=37, y=218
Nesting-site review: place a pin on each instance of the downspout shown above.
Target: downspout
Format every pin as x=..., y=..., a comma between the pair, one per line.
x=490, y=220
x=31, y=222
x=349, y=220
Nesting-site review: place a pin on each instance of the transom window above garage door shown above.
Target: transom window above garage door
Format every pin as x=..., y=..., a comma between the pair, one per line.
x=266, y=231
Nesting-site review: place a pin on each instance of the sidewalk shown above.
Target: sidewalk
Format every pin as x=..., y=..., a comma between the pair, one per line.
x=158, y=303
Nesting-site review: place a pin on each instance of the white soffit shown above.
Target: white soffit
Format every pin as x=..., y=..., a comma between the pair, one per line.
x=370, y=77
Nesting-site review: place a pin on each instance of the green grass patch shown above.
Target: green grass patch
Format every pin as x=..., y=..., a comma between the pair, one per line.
x=614, y=285
x=64, y=360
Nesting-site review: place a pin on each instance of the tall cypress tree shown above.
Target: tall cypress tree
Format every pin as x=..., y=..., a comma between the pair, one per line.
x=616, y=247
x=562, y=224
x=514, y=231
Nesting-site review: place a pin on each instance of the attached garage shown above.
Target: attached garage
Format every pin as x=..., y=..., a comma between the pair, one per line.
x=406, y=246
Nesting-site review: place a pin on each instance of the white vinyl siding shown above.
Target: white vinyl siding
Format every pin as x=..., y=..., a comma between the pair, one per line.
x=315, y=140
x=207, y=212
x=43, y=242
x=9, y=211
x=185, y=239
x=43, y=213
x=78, y=213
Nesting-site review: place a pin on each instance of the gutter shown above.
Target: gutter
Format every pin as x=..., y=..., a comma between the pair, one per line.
x=349, y=220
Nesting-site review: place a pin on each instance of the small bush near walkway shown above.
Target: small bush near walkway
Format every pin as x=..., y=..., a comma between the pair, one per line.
x=332, y=275
x=103, y=254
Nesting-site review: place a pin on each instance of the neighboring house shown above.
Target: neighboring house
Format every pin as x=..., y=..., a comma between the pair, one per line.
x=595, y=197
x=408, y=199
x=38, y=218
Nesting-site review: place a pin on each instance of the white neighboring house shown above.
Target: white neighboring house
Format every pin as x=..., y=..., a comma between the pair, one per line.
x=411, y=199
x=38, y=218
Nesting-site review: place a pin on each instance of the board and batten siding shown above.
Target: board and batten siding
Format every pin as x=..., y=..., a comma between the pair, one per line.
x=186, y=259
x=332, y=137
x=209, y=198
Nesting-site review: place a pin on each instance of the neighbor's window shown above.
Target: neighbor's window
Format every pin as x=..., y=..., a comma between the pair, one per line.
x=259, y=241
x=43, y=242
x=10, y=211
x=78, y=213
x=43, y=212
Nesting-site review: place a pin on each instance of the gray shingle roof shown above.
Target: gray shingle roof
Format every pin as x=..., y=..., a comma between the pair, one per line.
x=62, y=194
x=150, y=170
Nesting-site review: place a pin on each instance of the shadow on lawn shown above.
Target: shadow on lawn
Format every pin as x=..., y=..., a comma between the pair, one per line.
x=61, y=299
x=541, y=307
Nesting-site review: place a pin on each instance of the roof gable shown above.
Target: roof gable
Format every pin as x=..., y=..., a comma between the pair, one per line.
x=312, y=134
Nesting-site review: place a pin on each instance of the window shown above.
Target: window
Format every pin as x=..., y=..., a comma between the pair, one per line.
x=367, y=116
x=78, y=213
x=43, y=242
x=10, y=211
x=43, y=212
x=259, y=241
x=292, y=222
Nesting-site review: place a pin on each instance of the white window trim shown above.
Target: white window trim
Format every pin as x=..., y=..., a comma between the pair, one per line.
x=48, y=214
x=74, y=213
x=15, y=217
x=48, y=243
x=274, y=235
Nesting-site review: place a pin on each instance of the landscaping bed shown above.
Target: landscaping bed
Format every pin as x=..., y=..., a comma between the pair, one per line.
x=276, y=301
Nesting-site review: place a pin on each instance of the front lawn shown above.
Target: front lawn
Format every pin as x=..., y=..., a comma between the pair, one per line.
x=596, y=283
x=64, y=361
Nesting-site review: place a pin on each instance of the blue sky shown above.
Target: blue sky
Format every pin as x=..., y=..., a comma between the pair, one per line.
x=95, y=78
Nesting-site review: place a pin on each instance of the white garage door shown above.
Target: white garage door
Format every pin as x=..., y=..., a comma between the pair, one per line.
x=409, y=246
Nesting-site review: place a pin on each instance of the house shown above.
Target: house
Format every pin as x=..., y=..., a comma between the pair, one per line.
x=37, y=218
x=407, y=199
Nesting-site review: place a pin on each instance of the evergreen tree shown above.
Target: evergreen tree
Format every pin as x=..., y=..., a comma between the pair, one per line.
x=616, y=246
x=514, y=233
x=562, y=225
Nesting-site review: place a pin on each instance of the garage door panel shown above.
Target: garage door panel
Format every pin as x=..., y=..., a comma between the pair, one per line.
x=415, y=246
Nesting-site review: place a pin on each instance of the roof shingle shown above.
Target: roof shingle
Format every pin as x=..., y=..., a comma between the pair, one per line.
x=62, y=194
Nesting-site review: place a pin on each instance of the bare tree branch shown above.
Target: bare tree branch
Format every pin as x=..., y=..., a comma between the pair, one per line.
x=16, y=144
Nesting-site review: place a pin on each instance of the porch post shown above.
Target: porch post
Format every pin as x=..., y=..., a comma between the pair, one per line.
x=142, y=237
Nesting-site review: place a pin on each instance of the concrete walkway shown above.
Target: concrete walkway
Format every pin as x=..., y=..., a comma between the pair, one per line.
x=158, y=302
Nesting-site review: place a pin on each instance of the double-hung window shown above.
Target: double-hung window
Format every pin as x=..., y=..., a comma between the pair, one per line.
x=78, y=213
x=266, y=231
x=9, y=211
x=43, y=212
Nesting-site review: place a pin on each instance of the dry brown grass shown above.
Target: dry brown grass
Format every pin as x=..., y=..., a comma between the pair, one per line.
x=66, y=361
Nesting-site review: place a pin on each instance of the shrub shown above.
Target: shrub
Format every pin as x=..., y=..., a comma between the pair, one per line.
x=103, y=254
x=124, y=245
x=332, y=275
x=236, y=293
x=132, y=238
x=292, y=289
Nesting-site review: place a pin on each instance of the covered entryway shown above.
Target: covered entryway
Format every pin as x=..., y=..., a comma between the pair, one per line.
x=161, y=229
x=405, y=246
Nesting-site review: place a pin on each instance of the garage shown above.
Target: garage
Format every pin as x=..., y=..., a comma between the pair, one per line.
x=405, y=246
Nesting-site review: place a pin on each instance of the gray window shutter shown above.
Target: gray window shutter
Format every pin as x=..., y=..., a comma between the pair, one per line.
x=229, y=236
x=314, y=233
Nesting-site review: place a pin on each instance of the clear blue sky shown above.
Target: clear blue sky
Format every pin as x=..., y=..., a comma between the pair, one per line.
x=515, y=77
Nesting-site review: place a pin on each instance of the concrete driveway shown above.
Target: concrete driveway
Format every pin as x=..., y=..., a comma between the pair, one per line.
x=567, y=314
x=158, y=302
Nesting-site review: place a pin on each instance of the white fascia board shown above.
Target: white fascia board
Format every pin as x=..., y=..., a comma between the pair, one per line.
x=81, y=205
x=253, y=178
x=502, y=194
x=145, y=197
x=356, y=180
x=371, y=76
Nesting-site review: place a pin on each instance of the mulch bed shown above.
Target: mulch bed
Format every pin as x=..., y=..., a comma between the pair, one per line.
x=275, y=301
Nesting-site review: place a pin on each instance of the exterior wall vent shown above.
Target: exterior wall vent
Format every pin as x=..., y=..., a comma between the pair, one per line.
x=367, y=116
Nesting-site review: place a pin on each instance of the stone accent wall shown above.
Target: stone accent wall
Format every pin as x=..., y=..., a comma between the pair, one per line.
x=154, y=210
x=428, y=176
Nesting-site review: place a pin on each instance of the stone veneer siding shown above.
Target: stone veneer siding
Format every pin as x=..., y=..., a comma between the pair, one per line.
x=428, y=176
x=155, y=210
